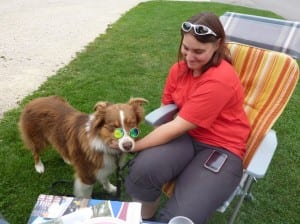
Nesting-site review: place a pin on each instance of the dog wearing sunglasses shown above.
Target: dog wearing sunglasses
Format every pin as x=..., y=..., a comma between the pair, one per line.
x=82, y=140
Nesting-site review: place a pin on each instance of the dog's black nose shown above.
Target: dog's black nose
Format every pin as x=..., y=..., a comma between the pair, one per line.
x=127, y=146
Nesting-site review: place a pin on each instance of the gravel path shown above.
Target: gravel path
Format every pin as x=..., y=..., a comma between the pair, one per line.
x=39, y=37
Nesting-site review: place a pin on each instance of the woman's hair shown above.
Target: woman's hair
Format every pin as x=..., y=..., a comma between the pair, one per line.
x=212, y=22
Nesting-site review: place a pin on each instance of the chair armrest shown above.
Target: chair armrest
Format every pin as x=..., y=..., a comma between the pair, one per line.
x=261, y=160
x=161, y=115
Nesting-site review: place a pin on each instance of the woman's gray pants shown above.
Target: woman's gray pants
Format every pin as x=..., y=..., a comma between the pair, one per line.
x=199, y=191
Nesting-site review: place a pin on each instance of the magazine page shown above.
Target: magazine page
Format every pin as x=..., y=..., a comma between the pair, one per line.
x=52, y=209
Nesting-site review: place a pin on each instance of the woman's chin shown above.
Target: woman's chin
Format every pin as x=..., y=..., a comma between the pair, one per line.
x=193, y=67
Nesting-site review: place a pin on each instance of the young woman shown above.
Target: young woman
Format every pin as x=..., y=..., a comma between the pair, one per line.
x=209, y=95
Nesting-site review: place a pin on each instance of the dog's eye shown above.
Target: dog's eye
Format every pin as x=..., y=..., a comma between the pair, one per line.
x=118, y=133
x=134, y=132
x=111, y=128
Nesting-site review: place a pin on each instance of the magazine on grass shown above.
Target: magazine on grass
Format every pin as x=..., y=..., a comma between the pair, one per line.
x=52, y=209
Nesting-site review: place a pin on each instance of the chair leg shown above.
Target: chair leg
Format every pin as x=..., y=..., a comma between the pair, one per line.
x=239, y=204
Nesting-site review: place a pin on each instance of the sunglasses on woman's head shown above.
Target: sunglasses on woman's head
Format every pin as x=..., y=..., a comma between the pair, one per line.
x=198, y=29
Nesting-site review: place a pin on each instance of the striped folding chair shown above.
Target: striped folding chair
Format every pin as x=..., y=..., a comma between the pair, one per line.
x=269, y=79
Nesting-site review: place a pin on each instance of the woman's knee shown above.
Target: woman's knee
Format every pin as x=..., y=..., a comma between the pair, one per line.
x=148, y=171
x=160, y=164
x=141, y=181
x=153, y=167
x=141, y=169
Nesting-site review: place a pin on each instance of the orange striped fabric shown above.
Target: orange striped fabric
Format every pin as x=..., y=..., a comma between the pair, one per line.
x=269, y=79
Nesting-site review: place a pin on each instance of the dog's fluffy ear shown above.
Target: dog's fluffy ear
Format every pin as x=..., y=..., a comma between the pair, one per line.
x=101, y=106
x=99, y=112
x=137, y=105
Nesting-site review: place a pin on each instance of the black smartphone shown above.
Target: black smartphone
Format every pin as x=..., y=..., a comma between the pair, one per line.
x=215, y=161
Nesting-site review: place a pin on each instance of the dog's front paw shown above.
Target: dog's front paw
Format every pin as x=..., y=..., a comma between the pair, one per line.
x=110, y=188
x=39, y=167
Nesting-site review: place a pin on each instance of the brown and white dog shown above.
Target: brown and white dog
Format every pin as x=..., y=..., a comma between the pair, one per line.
x=82, y=139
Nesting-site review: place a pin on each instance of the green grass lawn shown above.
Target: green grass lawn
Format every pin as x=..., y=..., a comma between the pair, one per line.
x=132, y=59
